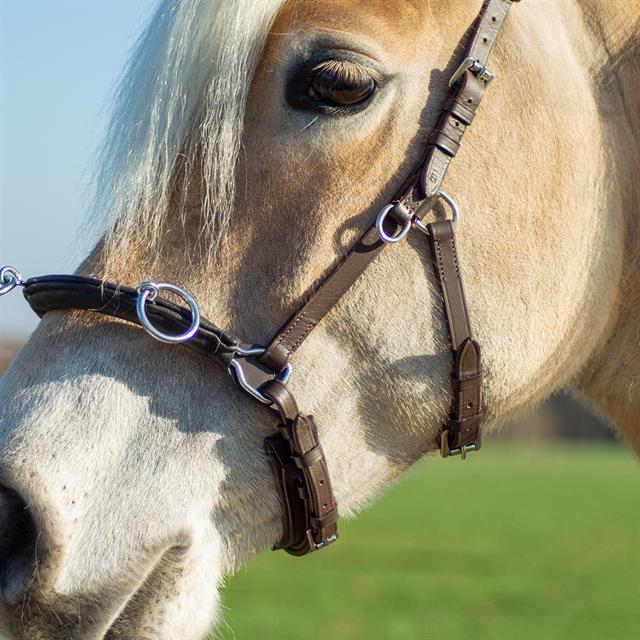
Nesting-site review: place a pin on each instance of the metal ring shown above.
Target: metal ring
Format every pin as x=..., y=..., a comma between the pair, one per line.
x=148, y=292
x=10, y=278
x=453, y=205
x=384, y=236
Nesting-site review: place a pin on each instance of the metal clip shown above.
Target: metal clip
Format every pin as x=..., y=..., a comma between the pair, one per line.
x=479, y=71
x=259, y=374
x=10, y=278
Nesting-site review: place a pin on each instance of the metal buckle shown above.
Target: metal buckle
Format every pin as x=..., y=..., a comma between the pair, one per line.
x=462, y=451
x=315, y=546
x=479, y=71
x=261, y=373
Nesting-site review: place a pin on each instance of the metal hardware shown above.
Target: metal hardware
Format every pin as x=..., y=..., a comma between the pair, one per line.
x=455, y=212
x=148, y=292
x=384, y=236
x=239, y=375
x=479, y=71
x=462, y=451
x=315, y=546
x=10, y=278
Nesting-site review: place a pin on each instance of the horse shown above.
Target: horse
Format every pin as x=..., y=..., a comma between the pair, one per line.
x=252, y=141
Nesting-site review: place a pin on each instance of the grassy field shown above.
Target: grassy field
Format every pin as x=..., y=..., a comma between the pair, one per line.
x=517, y=542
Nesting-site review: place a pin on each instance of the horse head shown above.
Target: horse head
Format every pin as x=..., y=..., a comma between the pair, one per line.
x=252, y=143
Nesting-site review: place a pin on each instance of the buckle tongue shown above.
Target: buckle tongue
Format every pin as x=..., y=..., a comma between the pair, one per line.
x=479, y=71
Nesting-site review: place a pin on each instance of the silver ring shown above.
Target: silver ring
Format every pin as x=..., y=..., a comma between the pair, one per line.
x=453, y=205
x=384, y=236
x=10, y=278
x=148, y=292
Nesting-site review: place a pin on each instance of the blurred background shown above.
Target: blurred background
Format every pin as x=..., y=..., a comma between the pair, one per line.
x=535, y=537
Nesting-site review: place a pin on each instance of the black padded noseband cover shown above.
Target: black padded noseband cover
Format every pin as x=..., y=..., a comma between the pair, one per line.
x=52, y=293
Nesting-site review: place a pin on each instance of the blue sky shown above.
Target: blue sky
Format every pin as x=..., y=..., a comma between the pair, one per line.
x=59, y=62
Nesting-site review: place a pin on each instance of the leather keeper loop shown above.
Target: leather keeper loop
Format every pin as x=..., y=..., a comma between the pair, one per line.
x=444, y=142
x=309, y=458
x=320, y=523
x=459, y=426
x=463, y=112
x=467, y=383
x=276, y=357
x=464, y=422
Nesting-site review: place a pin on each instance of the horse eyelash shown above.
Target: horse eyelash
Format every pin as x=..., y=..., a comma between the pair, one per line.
x=350, y=72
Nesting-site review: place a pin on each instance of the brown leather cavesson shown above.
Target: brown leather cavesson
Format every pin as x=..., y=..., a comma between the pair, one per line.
x=309, y=508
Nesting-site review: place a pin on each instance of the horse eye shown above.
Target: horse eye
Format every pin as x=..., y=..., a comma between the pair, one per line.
x=341, y=84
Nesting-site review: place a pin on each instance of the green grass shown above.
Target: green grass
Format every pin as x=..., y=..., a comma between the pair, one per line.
x=517, y=542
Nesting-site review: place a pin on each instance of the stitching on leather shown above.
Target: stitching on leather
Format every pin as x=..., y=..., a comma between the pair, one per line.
x=289, y=329
x=455, y=257
x=439, y=259
x=300, y=340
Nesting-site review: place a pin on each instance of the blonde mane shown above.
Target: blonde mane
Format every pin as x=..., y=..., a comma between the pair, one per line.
x=177, y=118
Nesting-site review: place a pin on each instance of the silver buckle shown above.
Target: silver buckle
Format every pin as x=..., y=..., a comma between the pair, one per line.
x=315, y=546
x=479, y=71
x=462, y=451
x=239, y=376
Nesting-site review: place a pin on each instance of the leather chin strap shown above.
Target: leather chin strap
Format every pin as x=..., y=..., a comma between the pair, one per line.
x=310, y=513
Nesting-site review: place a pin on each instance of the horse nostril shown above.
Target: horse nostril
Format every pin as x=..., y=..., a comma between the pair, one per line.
x=17, y=546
